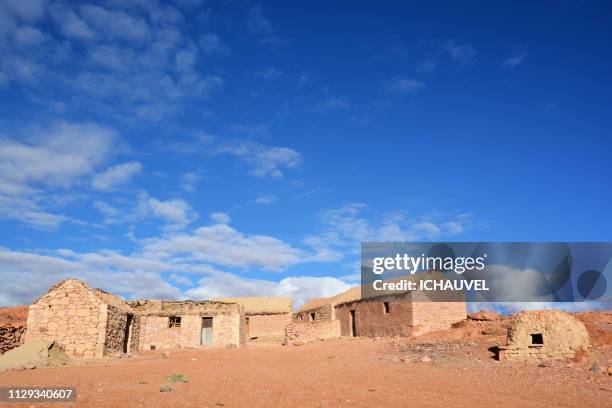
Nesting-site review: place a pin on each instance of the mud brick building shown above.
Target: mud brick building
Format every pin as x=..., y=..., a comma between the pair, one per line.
x=544, y=335
x=87, y=322
x=174, y=324
x=265, y=317
x=398, y=314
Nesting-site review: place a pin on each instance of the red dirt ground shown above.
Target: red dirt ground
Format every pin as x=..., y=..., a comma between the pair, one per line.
x=338, y=373
x=10, y=316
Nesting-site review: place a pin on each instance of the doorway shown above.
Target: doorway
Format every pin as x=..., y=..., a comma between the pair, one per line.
x=127, y=336
x=352, y=324
x=207, y=325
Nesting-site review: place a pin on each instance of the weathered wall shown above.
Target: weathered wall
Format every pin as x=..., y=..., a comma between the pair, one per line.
x=300, y=333
x=267, y=325
x=431, y=316
x=116, y=330
x=372, y=321
x=228, y=329
x=323, y=313
x=73, y=317
x=563, y=336
x=11, y=337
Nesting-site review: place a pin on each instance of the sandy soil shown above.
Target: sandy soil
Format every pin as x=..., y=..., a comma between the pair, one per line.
x=344, y=372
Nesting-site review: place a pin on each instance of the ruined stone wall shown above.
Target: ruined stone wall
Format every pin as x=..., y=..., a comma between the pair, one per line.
x=372, y=321
x=430, y=316
x=267, y=325
x=11, y=337
x=323, y=313
x=562, y=336
x=301, y=333
x=155, y=331
x=73, y=317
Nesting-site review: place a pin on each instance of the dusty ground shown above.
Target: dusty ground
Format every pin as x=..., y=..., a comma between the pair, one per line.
x=344, y=372
x=10, y=316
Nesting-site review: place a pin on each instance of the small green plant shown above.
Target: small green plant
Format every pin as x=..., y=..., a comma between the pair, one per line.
x=166, y=388
x=177, y=378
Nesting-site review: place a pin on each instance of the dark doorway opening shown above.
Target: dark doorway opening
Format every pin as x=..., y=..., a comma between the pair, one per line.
x=537, y=339
x=127, y=337
x=353, y=328
x=386, y=307
x=312, y=317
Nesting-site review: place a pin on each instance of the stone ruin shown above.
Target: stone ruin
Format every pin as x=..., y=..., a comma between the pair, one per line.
x=12, y=328
x=544, y=335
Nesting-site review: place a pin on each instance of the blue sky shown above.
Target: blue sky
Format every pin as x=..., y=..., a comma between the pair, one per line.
x=209, y=148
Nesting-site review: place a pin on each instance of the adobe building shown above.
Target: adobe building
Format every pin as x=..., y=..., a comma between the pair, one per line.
x=396, y=314
x=174, y=324
x=87, y=322
x=544, y=335
x=265, y=317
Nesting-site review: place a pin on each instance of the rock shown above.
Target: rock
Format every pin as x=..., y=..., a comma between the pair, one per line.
x=166, y=354
x=485, y=315
x=596, y=369
x=425, y=359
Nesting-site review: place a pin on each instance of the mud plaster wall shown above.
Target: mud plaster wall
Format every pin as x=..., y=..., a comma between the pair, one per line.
x=323, y=313
x=73, y=317
x=11, y=337
x=371, y=319
x=300, y=333
x=263, y=325
x=431, y=316
x=562, y=334
x=154, y=331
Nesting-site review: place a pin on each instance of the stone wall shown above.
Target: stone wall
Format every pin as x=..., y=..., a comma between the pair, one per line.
x=301, y=333
x=227, y=328
x=73, y=317
x=323, y=313
x=561, y=336
x=267, y=325
x=431, y=316
x=117, y=328
x=372, y=321
x=11, y=337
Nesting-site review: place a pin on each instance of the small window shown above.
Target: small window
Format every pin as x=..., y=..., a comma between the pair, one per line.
x=537, y=339
x=301, y=318
x=174, y=321
x=386, y=307
x=312, y=317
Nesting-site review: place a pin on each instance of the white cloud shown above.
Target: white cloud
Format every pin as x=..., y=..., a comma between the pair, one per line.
x=176, y=212
x=514, y=60
x=261, y=27
x=263, y=161
x=220, y=218
x=267, y=73
x=330, y=103
x=115, y=24
x=189, y=180
x=405, y=85
x=115, y=176
x=223, y=245
x=299, y=288
x=44, y=159
x=211, y=44
x=462, y=53
x=265, y=199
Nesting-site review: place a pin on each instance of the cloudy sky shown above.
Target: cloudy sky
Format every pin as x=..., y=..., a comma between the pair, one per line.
x=199, y=148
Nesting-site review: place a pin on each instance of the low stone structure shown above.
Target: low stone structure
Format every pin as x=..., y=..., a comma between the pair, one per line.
x=300, y=333
x=174, y=324
x=544, y=335
x=11, y=337
x=265, y=317
x=86, y=322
